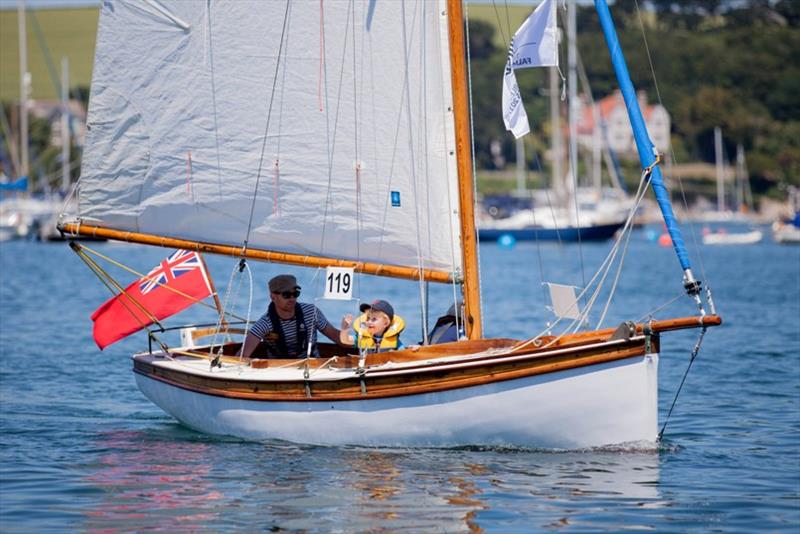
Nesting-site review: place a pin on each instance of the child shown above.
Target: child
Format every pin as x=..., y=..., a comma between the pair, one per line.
x=376, y=330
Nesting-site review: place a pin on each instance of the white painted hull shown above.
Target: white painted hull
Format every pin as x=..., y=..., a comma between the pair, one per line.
x=593, y=406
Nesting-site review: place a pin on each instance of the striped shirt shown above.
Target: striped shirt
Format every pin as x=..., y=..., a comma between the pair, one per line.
x=312, y=316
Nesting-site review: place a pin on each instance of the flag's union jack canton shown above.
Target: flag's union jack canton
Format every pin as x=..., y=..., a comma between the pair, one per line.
x=181, y=262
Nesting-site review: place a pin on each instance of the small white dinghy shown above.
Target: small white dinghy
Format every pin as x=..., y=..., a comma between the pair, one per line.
x=732, y=238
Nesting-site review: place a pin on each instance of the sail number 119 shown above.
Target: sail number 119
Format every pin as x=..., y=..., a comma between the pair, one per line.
x=339, y=283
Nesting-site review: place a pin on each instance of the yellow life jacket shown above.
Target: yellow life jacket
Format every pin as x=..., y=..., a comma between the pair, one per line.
x=390, y=339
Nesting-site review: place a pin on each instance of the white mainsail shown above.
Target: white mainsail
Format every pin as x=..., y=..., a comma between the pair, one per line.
x=334, y=125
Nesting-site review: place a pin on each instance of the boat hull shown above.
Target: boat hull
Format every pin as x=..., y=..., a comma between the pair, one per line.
x=569, y=234
x=609, y=403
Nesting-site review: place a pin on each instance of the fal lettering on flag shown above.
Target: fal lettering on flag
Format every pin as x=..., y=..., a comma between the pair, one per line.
x=179, y=263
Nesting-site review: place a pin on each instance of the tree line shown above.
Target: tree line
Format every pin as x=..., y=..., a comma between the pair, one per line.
x=715, y=63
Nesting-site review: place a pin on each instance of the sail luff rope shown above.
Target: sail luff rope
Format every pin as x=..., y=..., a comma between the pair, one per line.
x=266, y=130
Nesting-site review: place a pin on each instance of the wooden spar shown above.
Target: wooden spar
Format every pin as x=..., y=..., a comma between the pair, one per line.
x=469, y=246
x=394, y=271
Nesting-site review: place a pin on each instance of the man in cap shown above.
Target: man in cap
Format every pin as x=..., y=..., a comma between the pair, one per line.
x=288, y=327
x=377, y=330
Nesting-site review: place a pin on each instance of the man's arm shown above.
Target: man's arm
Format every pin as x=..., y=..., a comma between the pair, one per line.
x=250, y=344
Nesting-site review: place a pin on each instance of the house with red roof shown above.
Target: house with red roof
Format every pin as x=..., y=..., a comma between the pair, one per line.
x=611, y=112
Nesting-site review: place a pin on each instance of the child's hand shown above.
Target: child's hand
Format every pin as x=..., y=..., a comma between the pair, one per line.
x=347, y=321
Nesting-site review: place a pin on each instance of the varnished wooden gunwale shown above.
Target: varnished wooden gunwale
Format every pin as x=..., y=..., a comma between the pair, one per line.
x=477, y=366
x=418, y=380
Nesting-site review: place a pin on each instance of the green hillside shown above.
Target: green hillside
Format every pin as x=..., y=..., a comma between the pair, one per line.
x=728, y=63
x=53, y=33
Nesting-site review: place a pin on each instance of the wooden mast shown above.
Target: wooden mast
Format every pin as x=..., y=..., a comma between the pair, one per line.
x=469, y=241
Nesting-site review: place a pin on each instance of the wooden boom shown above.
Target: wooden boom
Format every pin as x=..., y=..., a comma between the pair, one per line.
x=394, y=271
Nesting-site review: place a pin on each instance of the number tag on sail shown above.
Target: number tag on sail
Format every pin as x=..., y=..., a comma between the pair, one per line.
x=339, y=283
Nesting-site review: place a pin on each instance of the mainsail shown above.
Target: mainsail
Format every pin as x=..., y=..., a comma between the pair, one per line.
x=318, y=163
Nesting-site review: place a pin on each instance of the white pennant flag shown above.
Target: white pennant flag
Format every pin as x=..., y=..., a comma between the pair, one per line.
x=534, y=45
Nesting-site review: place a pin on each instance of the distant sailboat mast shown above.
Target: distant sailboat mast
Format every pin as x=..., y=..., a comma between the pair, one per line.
x=720, y=168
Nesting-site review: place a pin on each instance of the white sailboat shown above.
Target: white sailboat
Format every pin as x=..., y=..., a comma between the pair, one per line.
x=567, y=212
x=337, y=134
x=723, y=235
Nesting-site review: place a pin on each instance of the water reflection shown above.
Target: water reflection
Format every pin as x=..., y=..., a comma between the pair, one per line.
x=151, y=482
x=184, y=481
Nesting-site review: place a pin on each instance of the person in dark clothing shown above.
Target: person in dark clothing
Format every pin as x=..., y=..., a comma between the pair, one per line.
x=288, y=327
x=448, y=327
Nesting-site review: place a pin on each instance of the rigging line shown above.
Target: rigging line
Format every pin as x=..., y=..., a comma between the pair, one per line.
x=500, y=24
x=536, y=229
x=395, y=143
x=411, y=152
x=210, y=49
x=266, y=129
x=276, y=165
x=639, y=196
x=117, y=289
x=603, y=267
x=142, y=276
x=332, y=142
x=695, y=352
x=654, y=311
x=572, y=53
x=356, y=140
x=624, y=236
x=695, y=243
x=239, y=267
x=423, y=300
x=474, y=165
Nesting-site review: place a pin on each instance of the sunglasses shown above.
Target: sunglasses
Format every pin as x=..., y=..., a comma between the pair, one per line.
x=288, y=294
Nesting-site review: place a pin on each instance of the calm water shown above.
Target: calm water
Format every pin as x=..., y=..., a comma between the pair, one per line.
x=82, y=450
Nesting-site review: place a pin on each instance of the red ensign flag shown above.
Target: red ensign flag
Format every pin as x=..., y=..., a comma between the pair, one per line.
x=180, y=281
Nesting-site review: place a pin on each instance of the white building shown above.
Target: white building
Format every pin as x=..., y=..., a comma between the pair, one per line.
x=619, y=134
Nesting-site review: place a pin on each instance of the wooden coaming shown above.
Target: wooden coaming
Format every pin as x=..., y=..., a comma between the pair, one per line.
x=424, y=378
